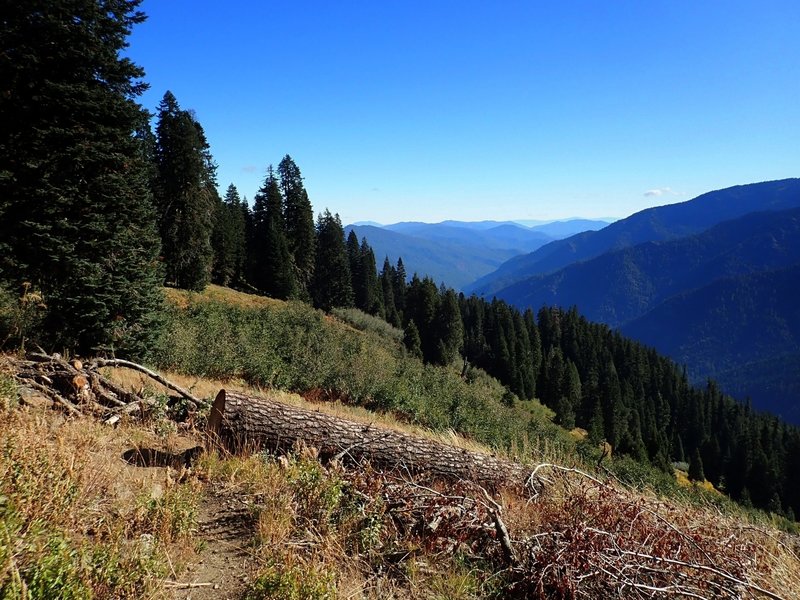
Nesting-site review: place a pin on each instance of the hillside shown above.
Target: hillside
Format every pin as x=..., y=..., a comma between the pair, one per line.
x=742, y=331
x=622, y=285
x=654, y=224
x=260, y=526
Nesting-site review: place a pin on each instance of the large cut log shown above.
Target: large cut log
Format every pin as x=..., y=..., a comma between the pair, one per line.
x=240, y=422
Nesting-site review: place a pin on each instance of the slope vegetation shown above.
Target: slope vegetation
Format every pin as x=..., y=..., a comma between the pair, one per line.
x=742, y=331
x=654, y=224
x=620, y=286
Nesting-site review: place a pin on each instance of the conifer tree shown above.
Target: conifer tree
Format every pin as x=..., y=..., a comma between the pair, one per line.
x=228, y=239
x=270, y=262
x=449, y=328
x=387, y=289
x=299, y=221
x=354, y=260
x=76, y=215
x=400, y=284
x=331, y=285
x=696, y=467
x=422, y=303
x=411, y=339
x=368, y=290
x=185, y=195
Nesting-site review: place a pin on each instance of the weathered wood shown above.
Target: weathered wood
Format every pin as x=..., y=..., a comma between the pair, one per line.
x=118, y=362
x=241, y=422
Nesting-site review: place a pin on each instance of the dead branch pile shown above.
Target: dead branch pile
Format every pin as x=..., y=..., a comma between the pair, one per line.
x=594, y=540
x=567, y=535
x=578, y=538
x=79, y=388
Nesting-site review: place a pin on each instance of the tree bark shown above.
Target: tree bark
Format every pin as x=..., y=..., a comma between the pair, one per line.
x=239, y=422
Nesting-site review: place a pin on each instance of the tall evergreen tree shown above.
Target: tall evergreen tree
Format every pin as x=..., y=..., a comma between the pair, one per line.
x=228, y=239
x=354, y=260
x=185, y=193
x=368, y=292
x=449, y=328
x=299, y=219
x=411, y=339
x=271, y=264
x=331, y=286
x=400, y=283
x=696, y=467
x=387, y=289
x=76, y=216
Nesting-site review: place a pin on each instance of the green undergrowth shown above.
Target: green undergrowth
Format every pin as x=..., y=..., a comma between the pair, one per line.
x=293, y=347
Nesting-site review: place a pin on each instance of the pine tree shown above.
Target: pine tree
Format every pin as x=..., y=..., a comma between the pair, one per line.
x=331, y=286
x=400, y=284
x=696, y=467
x=387, y=289
x=299, y=220
x=354, y=260
x=368, y=291
x=185, y=195
x=271, y=268
x=228, y=239
x=238, y=213
x=422, y=303
x=76, y=215
x=449, y=328
x=411, y=339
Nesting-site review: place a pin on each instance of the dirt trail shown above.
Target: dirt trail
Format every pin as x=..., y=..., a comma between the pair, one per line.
x=222, y=569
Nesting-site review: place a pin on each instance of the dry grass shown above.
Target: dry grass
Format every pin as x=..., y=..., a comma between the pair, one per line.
x=322, y=531
x=216, y=293
x=76, y=520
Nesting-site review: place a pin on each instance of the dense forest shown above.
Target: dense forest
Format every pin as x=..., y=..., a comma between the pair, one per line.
x=98, y=210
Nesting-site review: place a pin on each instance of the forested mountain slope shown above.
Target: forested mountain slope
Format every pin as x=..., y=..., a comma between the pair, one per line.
x=654, y=224
x=458, y=252
x=625, y=284
x=742, y=331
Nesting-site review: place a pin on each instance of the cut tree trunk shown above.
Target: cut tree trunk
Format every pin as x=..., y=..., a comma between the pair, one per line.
x=240, y=422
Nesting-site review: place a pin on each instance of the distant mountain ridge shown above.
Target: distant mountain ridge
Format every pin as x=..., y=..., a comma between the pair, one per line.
x=722, y=301
x=622, y=285
x=458, y=252
x=653, y=224
x=449, y=261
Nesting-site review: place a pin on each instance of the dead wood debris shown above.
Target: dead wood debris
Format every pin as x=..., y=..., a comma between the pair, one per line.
x=79, y=388
x=573, y=536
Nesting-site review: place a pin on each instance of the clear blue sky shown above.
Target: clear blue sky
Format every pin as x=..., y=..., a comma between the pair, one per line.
x=485, y=110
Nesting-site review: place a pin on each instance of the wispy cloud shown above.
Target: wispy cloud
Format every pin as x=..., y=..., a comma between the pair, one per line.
x=665, y=191
x=249, y=169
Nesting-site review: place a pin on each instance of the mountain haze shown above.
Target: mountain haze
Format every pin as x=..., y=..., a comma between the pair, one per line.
x=453, y=262
x=458, y=252
x=623, y=285
x=653, y=224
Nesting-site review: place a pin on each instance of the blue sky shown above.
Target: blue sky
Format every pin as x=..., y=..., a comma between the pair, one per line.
x=485, y=110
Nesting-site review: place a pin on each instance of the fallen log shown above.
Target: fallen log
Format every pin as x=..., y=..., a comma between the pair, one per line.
x=238, y=422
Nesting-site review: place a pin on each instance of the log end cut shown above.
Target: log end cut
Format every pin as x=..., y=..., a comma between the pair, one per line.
x=215, y=417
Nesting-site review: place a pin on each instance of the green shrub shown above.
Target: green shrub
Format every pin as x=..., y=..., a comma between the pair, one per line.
x=283, y=582
x=366, y=322
x=294, y=347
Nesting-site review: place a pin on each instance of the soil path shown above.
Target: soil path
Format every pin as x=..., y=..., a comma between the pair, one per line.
x=222, y=569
